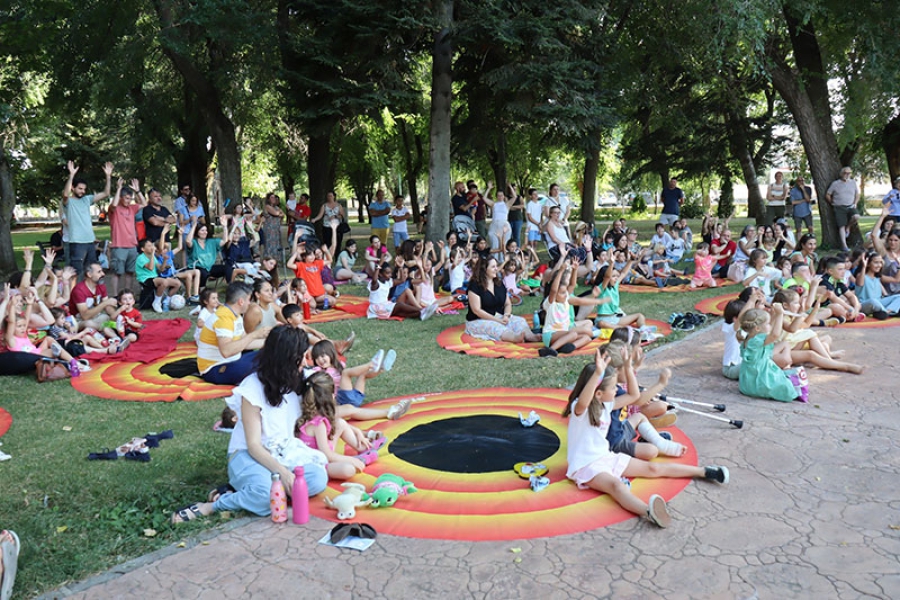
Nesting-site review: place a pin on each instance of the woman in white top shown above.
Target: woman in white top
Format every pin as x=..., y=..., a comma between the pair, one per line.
x=500, y=230
x=269, y=406
x=775, y=199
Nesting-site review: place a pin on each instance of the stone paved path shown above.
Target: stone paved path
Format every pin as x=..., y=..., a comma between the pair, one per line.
x=812, y=511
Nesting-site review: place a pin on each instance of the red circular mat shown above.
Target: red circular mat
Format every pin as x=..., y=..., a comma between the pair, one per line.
x=686, y=287
x=456, y=339
x=347, y=307
x=5, y=421
x=140, y=382
x=498, y=505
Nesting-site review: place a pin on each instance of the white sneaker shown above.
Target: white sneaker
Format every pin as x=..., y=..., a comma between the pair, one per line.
x=157, y=305
x=389, y=359
x=428, y=311
x=398, y=410
x=4, y=456
x=195, y=311
x=377, y=361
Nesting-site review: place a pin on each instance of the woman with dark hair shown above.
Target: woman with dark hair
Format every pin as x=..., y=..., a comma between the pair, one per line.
x=490, y=310
x=263, y=310
x=269, y=408
x=203, y=251
x=333, y=214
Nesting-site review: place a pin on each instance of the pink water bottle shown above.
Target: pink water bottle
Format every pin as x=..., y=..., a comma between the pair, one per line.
x=278, y=500
x=300, y=498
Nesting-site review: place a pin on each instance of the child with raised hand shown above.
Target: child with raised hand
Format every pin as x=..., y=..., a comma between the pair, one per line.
x=319, y=426
x=350, y=383
x=148, y=276
x=560, y=335
x=703, y=266
x=209, y=302
x=166, y=266
x=804, y=344
x=129, y=320
x=309, y=269
x=591, y=462
x=649, y=404
x=17, y=334
x=608, y=312
x=628, y=421
x=761, y=376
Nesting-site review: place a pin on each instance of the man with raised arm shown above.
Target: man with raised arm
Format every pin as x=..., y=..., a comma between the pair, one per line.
x=77, y=205
x=123, y=247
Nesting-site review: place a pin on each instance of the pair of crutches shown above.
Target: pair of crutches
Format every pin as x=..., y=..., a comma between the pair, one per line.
x=679, y=403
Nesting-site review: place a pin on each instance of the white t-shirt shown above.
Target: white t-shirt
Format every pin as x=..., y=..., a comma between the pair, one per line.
x=277, y=421
x=457, y=276
x=204, y=316
x=400, y=226
x=732, y=355
x=763, y=278
x=534, y=210
x=587, y=443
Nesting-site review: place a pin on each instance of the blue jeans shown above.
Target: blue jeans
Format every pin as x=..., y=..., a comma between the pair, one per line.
x=232, y=373
x=253, y=483
x=399, y=238
x=516, y=227
x=81, y=255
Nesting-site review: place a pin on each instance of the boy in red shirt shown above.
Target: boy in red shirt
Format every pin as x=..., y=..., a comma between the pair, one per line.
x=129, y=320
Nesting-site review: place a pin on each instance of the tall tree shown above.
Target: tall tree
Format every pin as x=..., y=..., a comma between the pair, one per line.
x=439, y=136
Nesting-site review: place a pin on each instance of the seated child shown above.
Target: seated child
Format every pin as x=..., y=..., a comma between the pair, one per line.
x=129, y=320
x=166, y=265
x=842, y=301
x=310, y=271
x=148, y=277
x=591, y=462
x=381, y=307
x=760, y=375
x=209, y=302
x=350, y=383
x=608, y=313
x=65, y=332
x=703, y=266
x=560, y=334
x=761, y=275
x=873, y=298
x=293, y=316
x=17, y=334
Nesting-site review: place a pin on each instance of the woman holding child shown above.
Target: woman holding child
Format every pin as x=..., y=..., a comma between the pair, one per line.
x=269, y=408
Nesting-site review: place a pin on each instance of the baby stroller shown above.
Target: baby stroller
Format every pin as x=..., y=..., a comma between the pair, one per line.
x=307, y=233
x=460, y=225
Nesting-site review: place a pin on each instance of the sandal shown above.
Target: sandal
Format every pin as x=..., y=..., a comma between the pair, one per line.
x=188, y=513
x=223, y=489
x=657, y=511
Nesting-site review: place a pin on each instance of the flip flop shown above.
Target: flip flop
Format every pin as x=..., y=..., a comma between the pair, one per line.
x=10, y=564
x=526, y=470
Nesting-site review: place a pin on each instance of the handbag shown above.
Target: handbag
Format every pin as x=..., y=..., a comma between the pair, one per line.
x=343, y=228
x=51, y=370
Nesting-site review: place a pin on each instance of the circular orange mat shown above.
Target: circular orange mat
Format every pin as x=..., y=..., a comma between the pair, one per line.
x=497, y=505
x=5, y=421
x=456, y=339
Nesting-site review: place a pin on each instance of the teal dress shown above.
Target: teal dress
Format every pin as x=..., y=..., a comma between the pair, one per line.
x=760, y=377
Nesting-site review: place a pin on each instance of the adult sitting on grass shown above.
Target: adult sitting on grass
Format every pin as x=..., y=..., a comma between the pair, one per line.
x=204, y=251
x=89, y=300
x=224, y=352
x=269, y=408
x=490, y=310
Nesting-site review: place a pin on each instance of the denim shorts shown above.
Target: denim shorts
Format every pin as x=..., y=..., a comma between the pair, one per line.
x=353, y=397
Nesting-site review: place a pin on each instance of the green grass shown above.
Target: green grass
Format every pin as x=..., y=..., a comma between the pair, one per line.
x=78, y=517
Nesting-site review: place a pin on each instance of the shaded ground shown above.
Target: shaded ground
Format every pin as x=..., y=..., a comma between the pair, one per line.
x=812, y=511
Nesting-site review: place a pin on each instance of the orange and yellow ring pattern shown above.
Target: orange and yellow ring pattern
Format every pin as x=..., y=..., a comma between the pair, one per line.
x=456, y=339
x=338, y=314
x=686, y=287
x=143, y=382
x=498, y=505
x=5, y=421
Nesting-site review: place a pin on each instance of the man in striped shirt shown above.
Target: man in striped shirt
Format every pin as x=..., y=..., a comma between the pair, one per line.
x=225, y=353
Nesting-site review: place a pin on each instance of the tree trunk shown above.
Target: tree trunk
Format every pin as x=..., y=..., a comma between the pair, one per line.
x=288, y=183
x=756, y=204
x=806, y=95
x=7, y=206
x=439, y=137
x=589, y=185
x=890, y=141
x=499, y=159
x=194, y=160
x=319, y=169
x=413, y=160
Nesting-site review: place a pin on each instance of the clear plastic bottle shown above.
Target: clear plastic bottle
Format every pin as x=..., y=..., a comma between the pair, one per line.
x=278, y=500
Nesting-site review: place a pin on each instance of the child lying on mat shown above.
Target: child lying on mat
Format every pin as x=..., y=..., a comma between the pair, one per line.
x=591, y=462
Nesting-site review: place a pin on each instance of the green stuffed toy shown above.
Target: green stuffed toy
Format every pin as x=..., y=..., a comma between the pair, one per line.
x=387, y=490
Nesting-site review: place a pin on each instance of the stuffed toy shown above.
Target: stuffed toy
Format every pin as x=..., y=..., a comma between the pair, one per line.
x=346, y=502
x=387, y=490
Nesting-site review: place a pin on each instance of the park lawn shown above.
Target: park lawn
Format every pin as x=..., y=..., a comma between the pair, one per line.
x=78, y=517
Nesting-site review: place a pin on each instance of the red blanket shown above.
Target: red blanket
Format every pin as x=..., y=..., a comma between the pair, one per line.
x=158, y=338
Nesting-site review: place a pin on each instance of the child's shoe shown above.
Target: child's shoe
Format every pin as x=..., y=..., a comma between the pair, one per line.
x=377, y=361
x=529, y=421
x=398, y=410
x=74, y=371
x=389, y=359
x=718, y=474
x=657, y=511
x=538, y=483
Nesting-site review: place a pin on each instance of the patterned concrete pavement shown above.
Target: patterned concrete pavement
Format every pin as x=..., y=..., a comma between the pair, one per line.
x=812, y=511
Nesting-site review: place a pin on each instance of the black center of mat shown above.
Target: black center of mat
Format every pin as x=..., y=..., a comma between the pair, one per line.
x=476, y=444
x=180, y=368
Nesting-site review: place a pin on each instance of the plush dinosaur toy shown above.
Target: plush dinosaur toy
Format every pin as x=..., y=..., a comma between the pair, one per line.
x=387, y=490
x=346, y=502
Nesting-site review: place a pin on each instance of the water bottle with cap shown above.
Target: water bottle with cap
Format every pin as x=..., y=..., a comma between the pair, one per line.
x=299, y=498
x=278, y=500
x=325, y=303
x=536, y=320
